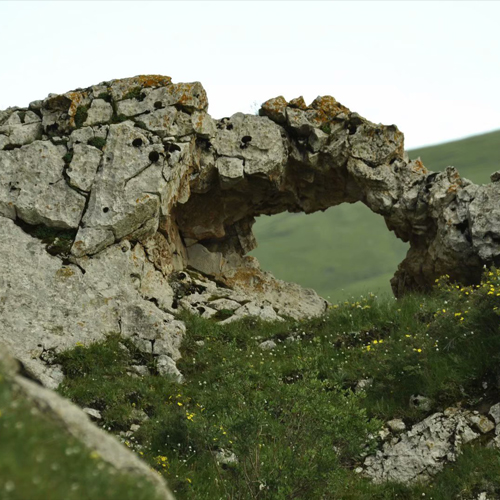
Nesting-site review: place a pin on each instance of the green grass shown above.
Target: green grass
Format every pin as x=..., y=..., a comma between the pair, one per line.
x=345, y=249
x=348, y=249
x=40, y=461
x=291, y=415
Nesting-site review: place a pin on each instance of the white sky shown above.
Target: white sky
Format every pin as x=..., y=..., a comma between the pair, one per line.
x=432, y=68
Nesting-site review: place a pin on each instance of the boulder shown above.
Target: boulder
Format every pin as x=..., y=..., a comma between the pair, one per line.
x=418, y=454
x=75, y=422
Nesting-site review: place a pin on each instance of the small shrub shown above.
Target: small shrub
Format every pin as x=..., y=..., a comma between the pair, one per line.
x=134, y=93
x=97, y=142
x=81, y=115
x=119, y=118
x=68, y=157
x=106, y=96
x=58, y=241
x=223, y=314
x=326, y=128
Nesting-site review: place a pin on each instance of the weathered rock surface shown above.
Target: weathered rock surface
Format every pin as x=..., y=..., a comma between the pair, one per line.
x=140, y=183
x=418, y=454
x=47, y=305
x=76, y=423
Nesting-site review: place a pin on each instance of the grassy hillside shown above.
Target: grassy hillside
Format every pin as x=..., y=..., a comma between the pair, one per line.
x=285, y=423
x=348, y=249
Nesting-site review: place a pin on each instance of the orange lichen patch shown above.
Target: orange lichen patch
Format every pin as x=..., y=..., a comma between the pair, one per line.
x=76, y=99
x=198, y=122
x=298, y=103
x=453, y=188
x=65, y=272
x=191, y=95
x=327, y=108
x=79, y=245
x=274, y=108
x=153, y=80
x=143, y=199
x=246, y=277
x=418, y=166
x=455, y=177
x=144, y=81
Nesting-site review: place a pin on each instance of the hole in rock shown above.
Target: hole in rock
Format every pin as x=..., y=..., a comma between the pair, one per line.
x=52, y=129
x=158, y=105
x=245, y=140
x=203, y=143
x=352, y=129
x=346, y=250
x=171, y=147
x=154, y=156
x=105, y=210
x=137, y=143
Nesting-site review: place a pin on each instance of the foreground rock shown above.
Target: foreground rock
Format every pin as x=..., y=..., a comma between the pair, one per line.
x=75, y=422
x=420, y=453
x=108, y=194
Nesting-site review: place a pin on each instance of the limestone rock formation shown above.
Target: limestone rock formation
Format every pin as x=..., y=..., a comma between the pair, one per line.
x=75, y=422
x=108, y=194
x=418, y=454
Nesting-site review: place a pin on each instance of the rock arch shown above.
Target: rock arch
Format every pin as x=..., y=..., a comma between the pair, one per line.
x=309, y=158
x=140, y=159
x=108, y=194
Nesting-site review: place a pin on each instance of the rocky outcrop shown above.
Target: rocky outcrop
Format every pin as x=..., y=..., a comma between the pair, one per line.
x=75, y=422
x=108, y=194
x=420, y=453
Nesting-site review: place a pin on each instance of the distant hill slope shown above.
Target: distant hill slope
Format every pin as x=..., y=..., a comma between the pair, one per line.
x=348, y=250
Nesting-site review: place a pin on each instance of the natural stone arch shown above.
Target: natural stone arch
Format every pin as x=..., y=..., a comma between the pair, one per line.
x=309, y=158
x=140, y=159
x=137, y=183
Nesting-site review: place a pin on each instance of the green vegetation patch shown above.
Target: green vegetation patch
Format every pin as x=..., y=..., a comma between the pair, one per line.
x=326, y=128
x=81, y=115
x=134, y=93
x=68, y=157
x=291, y=422
x=119, y=118
x=106, y=96
x=97, y=142
x=39, y=460
x=58, y=241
